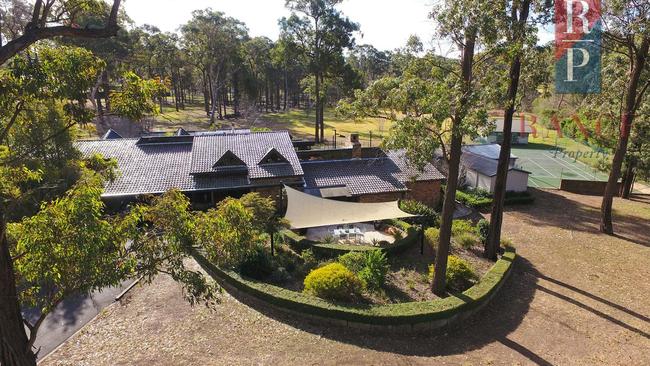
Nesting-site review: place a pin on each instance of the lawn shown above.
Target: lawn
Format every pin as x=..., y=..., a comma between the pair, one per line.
x=300, y=122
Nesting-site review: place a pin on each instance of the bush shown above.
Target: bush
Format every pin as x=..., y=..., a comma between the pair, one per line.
x=429, y=217
x=465, y=240
x=432, y=236
x=482, y=229
x=354, y=261
x=459, y=227
x=374, y=272
x=398, y=235
x=333, y=282
x=257, y=265
x=459, y=273
x=476, y=198
x=309, y=260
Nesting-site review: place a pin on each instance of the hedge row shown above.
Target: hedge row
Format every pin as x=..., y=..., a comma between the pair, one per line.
x=334, y=250
x=392, y=314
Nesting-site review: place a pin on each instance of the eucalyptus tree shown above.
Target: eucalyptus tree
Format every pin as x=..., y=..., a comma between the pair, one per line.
x=371, y=63
x=321, y=34
x=626, y=80
x=518, y=36
x=213, y=41
x=433, y=104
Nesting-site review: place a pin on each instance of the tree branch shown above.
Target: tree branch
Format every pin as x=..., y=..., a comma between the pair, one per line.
x=34, y=32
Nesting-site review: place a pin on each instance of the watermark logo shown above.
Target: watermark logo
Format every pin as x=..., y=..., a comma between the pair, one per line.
x=577, y=46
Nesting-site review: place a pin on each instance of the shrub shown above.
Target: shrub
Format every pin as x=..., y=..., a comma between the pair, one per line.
x=459, y=227
x=354, y=261
x=432, y=236
x=459, y=273
x=374, y=272
x=333, y=282
x=429, y=217
x=465, y=240
x=257, y=264
x=482, y=229
x=309, y=260
x=476, y=198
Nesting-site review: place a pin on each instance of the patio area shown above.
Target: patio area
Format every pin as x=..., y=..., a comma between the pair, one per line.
x=360, y=233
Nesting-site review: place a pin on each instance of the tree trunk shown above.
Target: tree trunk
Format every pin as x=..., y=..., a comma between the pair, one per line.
x=496, y=218
x=627, y=118
x=439, y=284
x=14, y=343
x=628, y=179
x=317, y=91
x=206, y=94
x=235, y=97
x=286, y=90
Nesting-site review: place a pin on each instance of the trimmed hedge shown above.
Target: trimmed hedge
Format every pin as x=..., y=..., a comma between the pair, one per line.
x=408, y=313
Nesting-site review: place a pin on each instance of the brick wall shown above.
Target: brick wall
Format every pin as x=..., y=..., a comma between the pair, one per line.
x=380, y=197
x=427, y=192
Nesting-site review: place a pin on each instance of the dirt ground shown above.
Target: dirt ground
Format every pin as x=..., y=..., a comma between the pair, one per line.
x=576, y=297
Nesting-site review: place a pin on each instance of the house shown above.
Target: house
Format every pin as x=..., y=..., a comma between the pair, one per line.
x=521, y=131
x=209, y=166
x=479, y=167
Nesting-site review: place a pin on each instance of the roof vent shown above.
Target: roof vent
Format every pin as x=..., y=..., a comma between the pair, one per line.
x=181, y=132
x=230, y=163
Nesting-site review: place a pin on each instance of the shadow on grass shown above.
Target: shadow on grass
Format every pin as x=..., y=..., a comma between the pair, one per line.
x=558, y=209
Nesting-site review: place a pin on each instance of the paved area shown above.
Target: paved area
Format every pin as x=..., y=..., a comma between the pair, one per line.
x=576, y=297
x=70, y=316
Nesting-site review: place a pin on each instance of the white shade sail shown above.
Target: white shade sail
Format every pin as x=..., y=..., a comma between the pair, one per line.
x=305, y=210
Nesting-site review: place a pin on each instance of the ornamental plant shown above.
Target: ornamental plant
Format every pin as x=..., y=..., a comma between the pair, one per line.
x=333, y=282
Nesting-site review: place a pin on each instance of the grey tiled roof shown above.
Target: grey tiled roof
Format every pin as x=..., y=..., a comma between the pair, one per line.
x=367, y=176
x=483, y=165
x=158, y=167
x=250, y=148
x=490, y=151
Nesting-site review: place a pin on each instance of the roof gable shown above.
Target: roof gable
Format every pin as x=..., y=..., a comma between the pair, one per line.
x=273, y=157
x=230, y=162
x=111, y=135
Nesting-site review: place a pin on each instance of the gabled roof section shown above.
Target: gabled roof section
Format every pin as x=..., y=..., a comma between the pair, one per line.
x=111, y=135
x=251, y=149
x=273, y=157
x=229, y=160
x=181, y=132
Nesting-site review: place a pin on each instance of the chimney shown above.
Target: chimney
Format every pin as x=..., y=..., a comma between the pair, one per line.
x=356, y=146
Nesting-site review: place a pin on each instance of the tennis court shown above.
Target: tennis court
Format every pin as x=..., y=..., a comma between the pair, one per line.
x=549, y=167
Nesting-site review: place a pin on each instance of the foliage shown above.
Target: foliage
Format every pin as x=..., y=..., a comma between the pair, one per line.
x=309, y=260
x=475, y=198
x=257, y=264
x=429, y=216
x=135, y=98
x=51, y=244
x=432, y=236
x=354, y=261
x=333, y=282
x=482, y=229
x=459, y=273
x=465, y=240
x=461, y=227
x=375, y=268
x=162, y=238
x=230, y=233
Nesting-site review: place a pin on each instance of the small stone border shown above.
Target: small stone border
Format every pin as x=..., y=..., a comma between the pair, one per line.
x=407, y=317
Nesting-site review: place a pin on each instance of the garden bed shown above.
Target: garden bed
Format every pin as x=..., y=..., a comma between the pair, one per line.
x=406, y=316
